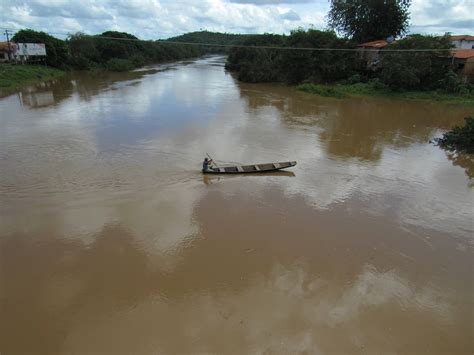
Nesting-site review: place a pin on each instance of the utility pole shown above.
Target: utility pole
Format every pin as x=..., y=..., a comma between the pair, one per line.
x=8, y=44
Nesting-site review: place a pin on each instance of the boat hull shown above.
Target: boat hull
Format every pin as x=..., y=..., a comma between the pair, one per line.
x=250, y=169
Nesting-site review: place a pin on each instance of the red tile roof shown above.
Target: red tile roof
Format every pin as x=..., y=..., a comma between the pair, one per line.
x=4, y=45
x=374, y=44
x=462, y=38
x=462, y=53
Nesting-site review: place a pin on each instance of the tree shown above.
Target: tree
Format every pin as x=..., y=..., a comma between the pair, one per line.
x=315, y=66
x=416, y=70
x=368, y=20
x=57, y=53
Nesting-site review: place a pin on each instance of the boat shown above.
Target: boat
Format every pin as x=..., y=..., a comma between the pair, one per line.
x=246, y=169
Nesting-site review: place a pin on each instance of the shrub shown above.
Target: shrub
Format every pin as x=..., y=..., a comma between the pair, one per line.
x=117, y=64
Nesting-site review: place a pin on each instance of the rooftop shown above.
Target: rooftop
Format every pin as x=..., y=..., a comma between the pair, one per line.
x=4, y=46
x=462, y=53
x=462, y=38
x=374, y=44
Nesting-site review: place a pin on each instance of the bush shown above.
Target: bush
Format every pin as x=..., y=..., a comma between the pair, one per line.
x=416, y=70
x=117, y=64
x=354, y=79
x=460, y=138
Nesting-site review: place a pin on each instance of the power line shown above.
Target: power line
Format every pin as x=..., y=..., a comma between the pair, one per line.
x=7, y=33
x=311, y=49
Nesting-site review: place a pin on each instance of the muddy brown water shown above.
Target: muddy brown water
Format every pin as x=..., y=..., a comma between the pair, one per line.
x=112, y=241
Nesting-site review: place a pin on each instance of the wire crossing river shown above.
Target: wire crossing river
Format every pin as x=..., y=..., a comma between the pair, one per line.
x=112, y=241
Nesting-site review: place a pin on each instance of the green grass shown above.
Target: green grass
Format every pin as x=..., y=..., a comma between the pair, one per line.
x=13, y=76
x=376, y=88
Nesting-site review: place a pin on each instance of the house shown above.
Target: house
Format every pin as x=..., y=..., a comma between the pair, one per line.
x=463, y=62
x=369, y=52
x=4, y=51
x=463, y=41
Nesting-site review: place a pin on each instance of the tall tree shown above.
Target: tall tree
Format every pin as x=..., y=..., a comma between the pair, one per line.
x=368, y=20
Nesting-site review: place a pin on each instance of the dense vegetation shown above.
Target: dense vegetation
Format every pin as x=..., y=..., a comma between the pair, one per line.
x=460, y=138
x=120, y=51
x=416, y=70
x=292, y=66
x=210, y=38
x=368, y=20
x=400, y=71
x=113, y=50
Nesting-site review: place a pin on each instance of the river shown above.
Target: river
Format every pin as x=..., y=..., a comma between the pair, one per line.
x=112, y=241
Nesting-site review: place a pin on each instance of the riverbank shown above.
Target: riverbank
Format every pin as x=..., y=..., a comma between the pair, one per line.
x=14, y=76
x=378, y=89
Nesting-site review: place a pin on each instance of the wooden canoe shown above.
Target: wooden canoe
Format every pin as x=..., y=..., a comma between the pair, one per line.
x=246, y=169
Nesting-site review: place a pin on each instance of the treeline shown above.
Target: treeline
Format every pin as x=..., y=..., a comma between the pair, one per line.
x=208, y=37
x=292, y=66
x=118, y=51
x=429, y=70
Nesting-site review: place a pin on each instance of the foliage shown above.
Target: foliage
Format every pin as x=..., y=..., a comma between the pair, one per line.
x=12, y=76
x=292, y=66
x=416, y=70
x=460, y=138
x=82, y=51
x=452, y=83
x=257, y=64
x=57, y=53
x=319, y=66
x=210, y=38
x=368, y=20
x=118, y=64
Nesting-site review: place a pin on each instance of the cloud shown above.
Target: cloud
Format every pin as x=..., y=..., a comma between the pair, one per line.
x=271, y=2
x=290, y=15
x=437, y=16
x=154, y=19
x=259, y=315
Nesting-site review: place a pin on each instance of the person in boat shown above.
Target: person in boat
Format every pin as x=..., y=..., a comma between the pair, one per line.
x=206, y=164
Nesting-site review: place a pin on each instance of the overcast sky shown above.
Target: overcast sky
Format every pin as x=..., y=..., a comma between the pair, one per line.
x=153, y=19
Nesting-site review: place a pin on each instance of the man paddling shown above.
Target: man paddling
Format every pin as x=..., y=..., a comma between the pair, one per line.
x=206, y=164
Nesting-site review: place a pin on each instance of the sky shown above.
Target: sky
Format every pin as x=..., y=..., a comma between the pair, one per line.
x=159, y=19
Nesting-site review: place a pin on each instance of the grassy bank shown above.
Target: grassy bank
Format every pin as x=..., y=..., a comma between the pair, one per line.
x=13, y=76
x=375, y=88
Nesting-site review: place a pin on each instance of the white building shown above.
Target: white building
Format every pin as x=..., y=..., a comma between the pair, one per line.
x=463, y=41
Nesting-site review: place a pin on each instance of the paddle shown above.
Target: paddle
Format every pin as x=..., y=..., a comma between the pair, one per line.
x=212, y=160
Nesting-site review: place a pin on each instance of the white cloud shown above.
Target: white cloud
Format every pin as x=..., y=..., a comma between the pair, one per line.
x=152, y=19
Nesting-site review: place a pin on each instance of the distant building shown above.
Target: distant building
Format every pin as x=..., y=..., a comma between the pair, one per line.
x=463, y=62
x=369, y=52
x=463, y=41
x=4, y=51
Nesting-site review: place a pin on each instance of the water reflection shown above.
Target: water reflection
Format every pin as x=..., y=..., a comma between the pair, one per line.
x=210, y=179
x=45, y=94
x=360, y=127
x=465, y=161
x=112, y=241
x=234, y=289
